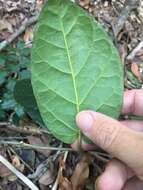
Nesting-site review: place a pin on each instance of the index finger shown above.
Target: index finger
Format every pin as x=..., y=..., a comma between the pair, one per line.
x=133, y=102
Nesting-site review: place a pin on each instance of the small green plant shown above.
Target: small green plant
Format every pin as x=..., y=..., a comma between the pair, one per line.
x=75, y=66
x=14, y=66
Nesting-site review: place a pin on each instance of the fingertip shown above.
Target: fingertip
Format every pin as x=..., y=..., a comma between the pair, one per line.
x=84, y=121
x=114, y=176
x=105, y=182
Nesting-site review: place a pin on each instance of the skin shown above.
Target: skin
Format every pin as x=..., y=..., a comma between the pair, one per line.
x=123, y=140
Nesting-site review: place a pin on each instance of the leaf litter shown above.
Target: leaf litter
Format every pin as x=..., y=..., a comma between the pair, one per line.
x=42, y=167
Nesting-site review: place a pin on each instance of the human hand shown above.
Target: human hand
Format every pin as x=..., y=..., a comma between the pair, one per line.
x=123, y=140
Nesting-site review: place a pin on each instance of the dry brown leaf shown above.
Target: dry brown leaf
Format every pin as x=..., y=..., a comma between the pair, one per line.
x=123, y=52
x=39, y=4
x=135, y=71
x=36, y=140
x=81, y=173
x=28, y=36
x=4, y=25
x=4, y=171
x=65, y=184
x=18, y=165
x=84, y=3
x=15, y=161
x=47, y=178
x=12, y=178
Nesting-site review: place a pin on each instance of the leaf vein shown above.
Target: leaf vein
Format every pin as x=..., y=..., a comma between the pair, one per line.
x=71, y=67
x=51, y=43
x=54, y=68
x=89, y=51
x=58, y=119
x=55, y=92
x=92, y=86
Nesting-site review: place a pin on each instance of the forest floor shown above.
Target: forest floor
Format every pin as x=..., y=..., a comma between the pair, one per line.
x=27, y=157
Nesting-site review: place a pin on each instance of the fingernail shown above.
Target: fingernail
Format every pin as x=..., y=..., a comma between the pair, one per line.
x=84, y=121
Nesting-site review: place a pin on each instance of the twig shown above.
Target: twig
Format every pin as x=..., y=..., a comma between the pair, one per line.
x=13, y=138
x=135, y=51
x=55, y=186
x=23, y=145
x=104, y=154
x=18, y=174
x=11, y=149
x=101, y=158
x=98, y=168
x=58, y=152
x=40, y=170
x=24, y=25
x=25, y=129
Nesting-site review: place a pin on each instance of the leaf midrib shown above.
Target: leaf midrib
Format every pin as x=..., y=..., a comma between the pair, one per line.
x=71, y=67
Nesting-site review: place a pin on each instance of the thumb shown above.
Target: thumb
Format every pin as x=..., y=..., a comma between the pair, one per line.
x=112, y=136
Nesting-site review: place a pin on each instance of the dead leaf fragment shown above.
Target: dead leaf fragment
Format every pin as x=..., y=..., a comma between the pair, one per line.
x=4, y=171
x=15, y=161
x=4, y=24
x=84, y=3
x=39, y=4
x=18, y=165
x=81, y=173
x=47, y=178
x=28, y=36
x=65, y=184
x=12, y=178
x=41, y=142
x=135, y=71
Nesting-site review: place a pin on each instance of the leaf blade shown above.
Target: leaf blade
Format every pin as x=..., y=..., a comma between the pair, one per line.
x=69, y=73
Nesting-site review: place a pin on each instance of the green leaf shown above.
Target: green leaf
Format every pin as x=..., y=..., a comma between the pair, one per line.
x=2, y=61
x=19, y=111
x=25, y=74
x=3, y=75
x=8, y=104
x=12, y=58
x=20, y=45
x=10, y=85
x=24, y=61
x=75, y=67
x=23, y=94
